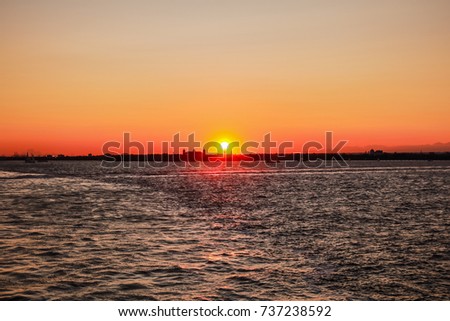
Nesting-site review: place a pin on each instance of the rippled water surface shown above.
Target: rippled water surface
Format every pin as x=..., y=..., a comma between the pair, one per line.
x=71, y=230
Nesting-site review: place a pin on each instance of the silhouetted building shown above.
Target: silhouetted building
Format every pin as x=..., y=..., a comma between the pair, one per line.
x=193, y=155
x=375, y=152
x=29, y=159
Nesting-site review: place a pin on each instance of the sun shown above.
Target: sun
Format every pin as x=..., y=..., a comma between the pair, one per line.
x=224, y=145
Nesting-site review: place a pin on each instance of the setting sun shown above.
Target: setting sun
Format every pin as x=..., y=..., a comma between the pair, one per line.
x=224, y=145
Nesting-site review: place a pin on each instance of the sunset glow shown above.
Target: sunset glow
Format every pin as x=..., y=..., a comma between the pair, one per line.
x=77, y=74
x=232, y=160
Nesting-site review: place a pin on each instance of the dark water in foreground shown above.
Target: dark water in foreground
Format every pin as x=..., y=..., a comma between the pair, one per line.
x=72, y=230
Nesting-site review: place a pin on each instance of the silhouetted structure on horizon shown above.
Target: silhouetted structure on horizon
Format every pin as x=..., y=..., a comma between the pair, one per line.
x=193, y=156
x=375, y=153
x=30, y=159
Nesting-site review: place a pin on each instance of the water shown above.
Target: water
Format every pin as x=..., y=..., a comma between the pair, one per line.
x=75, y=231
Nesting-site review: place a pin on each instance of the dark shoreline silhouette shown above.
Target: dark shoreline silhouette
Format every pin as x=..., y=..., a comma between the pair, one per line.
x=378, y=155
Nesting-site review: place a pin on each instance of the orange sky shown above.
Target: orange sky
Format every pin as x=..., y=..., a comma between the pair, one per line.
x=75, y=74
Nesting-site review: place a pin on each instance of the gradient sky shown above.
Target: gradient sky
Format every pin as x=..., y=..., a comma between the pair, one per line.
x=75, y=74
